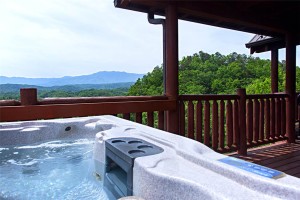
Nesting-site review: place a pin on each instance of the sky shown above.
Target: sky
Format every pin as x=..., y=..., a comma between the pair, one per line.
x=56, y=38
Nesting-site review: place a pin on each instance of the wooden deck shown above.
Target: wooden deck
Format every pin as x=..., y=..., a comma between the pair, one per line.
x=281, y=156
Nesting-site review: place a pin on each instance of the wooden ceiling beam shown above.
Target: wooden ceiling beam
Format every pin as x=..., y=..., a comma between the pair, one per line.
x=231, y=14
x=261, y=17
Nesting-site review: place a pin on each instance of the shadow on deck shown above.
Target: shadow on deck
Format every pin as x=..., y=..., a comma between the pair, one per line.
x=280, y=156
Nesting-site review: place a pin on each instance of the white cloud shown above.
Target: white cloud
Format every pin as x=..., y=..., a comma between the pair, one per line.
x=56, y=38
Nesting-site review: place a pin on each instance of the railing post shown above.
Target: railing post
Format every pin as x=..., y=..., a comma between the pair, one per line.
x=28, y=96
x=241, y=92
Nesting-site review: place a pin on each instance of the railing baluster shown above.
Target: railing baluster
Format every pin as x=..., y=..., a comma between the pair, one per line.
x=262, y=120
x=161, y=120
x=215, y=125
x=249, y=122
x=256, y=121
x=207, y=123
x=229, y=124
x=182, y=118
x=298, y=112
x=272, y=118
x=126, y=116
x=221, y=127
x=283, y=117
x=278, y=118
x=236, y=134
x=191, y=120
x=267, y=109
x=138, y=117
x=199, y=119
x=150, y=119
x=250, y=127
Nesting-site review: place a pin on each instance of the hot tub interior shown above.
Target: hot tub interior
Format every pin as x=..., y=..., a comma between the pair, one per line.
x=51, y=159
x=61, y=169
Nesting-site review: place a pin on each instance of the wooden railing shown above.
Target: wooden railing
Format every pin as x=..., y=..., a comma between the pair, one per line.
x=131, y=108
x=225, y=123
x=211, y=119
x=266, y=118
x=219, y=121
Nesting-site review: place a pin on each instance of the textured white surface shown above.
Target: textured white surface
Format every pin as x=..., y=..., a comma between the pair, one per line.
x=28, y=132
x=190, y=170
x=185, y=170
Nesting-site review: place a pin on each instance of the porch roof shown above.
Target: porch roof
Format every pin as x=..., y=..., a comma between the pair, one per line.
x=273, y=18
x=262, y=43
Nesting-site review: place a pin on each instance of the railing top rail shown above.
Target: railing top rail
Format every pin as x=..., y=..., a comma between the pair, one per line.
x=9, y=103
x=206, y=97
x=265, y=96
x=72, y=100
x=33, y=112
x=75, y=100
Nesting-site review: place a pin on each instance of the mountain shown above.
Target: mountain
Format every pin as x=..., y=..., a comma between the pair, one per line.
x=103, y=77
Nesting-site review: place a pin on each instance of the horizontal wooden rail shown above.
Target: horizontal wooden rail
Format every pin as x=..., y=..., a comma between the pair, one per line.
x=207, y=97
x=128, y=107
x=266, y=96
x=48, y=101
x=76, y=100
x=10, y=103
x=32, y=112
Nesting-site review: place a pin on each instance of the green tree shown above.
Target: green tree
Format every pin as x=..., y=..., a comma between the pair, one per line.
x=204, y=73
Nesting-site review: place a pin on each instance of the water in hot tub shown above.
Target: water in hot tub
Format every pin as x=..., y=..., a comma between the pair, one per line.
x=50, y=170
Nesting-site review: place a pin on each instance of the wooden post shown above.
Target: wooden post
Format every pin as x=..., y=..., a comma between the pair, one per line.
x=274, y=70
x=28, y=96
x=242, y=118
x=172, y=66
x=290, y=87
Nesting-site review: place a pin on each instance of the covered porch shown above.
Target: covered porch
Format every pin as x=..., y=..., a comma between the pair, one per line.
x=226, y=123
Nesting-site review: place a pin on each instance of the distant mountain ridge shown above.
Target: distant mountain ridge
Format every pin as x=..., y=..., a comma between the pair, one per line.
x=102, y=77
x=6, y=88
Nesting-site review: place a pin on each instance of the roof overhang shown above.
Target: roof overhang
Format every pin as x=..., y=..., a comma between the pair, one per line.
x=261, y=43
x=273, y=18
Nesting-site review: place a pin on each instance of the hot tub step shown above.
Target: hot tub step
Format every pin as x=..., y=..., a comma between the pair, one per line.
x=120, y=154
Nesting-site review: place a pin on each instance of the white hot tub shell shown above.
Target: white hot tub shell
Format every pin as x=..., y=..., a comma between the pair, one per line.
x=186, y=169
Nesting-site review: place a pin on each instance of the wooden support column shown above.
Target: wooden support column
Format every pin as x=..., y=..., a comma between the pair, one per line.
x=274, y=70
x=172, y=66
x=290, y=87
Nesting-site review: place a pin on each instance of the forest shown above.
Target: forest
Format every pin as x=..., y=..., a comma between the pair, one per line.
x=65, y=93
x=204, y=73
x=201, y=73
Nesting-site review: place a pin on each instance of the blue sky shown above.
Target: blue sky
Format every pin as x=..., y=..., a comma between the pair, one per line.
x=56, y=38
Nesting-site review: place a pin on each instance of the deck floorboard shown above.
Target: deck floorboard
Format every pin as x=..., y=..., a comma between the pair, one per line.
x=281, y=156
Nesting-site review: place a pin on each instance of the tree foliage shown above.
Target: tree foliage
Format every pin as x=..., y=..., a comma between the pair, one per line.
x=205, y=73
x=151, y=84
x=63, y=93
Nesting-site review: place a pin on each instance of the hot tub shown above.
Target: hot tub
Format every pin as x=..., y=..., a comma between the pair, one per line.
x=184, y=169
